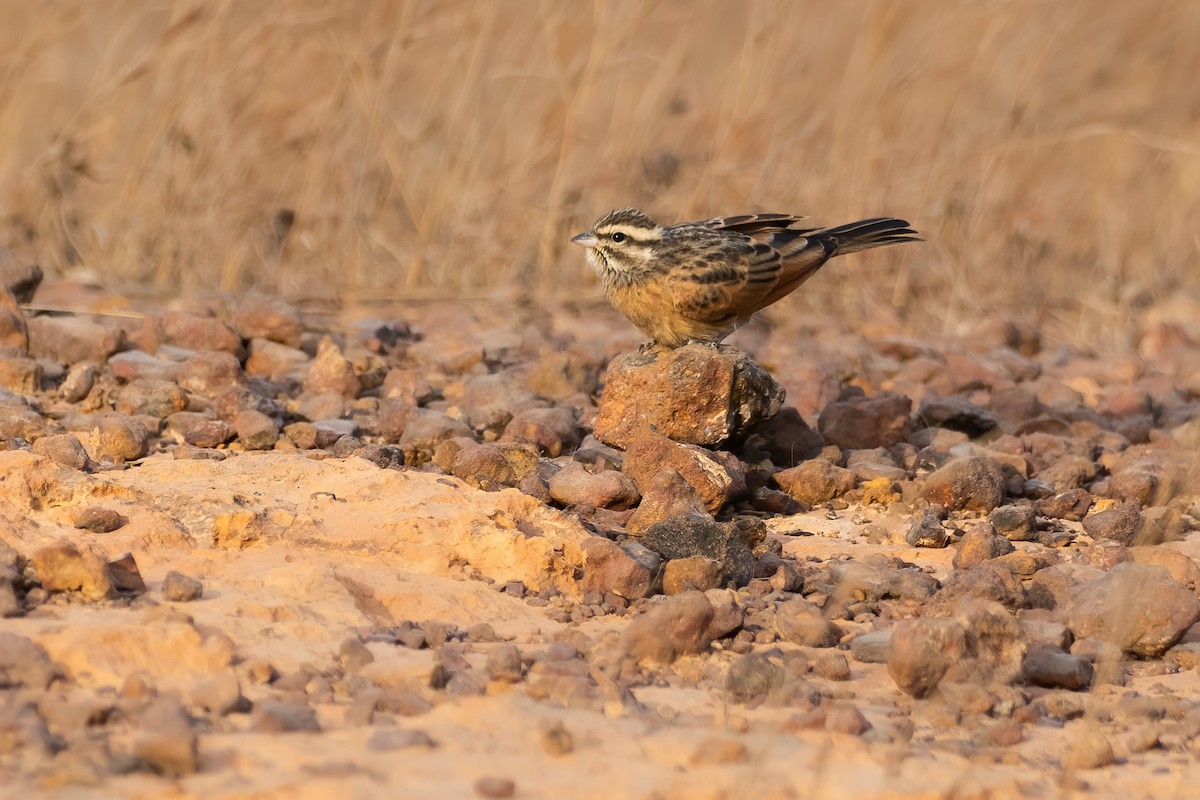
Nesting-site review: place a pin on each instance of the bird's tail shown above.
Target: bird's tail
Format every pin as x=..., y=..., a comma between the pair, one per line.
x=865, y=234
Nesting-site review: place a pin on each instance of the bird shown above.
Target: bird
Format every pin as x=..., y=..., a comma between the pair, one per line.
x=698, y=281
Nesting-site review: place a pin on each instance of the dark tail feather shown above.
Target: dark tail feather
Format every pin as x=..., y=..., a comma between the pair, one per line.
x=865, y=234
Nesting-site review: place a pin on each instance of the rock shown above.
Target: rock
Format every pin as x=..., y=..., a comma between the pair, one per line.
x=118, y=438
x=648, y=453
x=63, y=567
x=979, y=544
x=666, y=496
x=20, y=375
x=562, y=375
x=407, y=385
x=72, y=339
x=927, y=531
x=124, y=574
x=846, y=719
x=255, y=430
x=691, y=535
x=209, y=433
x=25, y=664
x=974, y=483
x=328, y=406
x=1017, y=523
x=871, y=648
x=1118, y=524
x=862, y=423
x=553, y=431
x=574, y=485
x=208, y=374
x=274, y=716
x=728, y=615
x=673, y=627
x=801, y=622
x=81, y=377
x=423, y=430
x=164, y=740
x=696, y=394
x=221, y=695
x=199, y=332
x=816, y=481
x=495, y=786
x=491, y=465
x=331, y=372
x=276, y=362
x=1090, y=749
x=1068, y=472
x=180, y=588
x=152, y=397
x=986, y=581
x=14, y=329
x=64, y=449
x=956, y=414
x=260, y=316
x=787, y=439
x=133, y=365
x=629, y=570
x=1137, y=607
x=98, y=519
x=752, y=677
x=504, y=664
x=982, y=643
x=691, y=573
x=1048, y=666
x=1070, y=505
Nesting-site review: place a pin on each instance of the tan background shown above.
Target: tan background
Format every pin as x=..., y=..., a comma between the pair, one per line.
x=1049, y=151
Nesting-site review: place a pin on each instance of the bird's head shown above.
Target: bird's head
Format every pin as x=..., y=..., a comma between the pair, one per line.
x=621, y=245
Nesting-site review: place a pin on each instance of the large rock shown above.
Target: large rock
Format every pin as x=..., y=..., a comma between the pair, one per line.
x=700, y=535
x=981, y=644
x=674, y=627
x=975, y=483
x=1138, y=607
x=649, y=453
x=698, y=394
x=863, y=423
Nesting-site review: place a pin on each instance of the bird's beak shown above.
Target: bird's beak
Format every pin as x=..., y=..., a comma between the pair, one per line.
x=585, y=239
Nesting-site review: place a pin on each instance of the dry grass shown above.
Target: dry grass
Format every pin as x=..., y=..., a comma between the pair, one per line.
x=1048, y=150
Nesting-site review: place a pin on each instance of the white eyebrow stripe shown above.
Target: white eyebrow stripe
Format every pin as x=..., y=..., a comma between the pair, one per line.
x=635, y=234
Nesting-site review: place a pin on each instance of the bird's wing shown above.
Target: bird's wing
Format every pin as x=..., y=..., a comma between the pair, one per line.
x=752, y=223
x=715, y=285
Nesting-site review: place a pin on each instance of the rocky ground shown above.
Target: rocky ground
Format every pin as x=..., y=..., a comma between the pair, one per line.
x=251, y=552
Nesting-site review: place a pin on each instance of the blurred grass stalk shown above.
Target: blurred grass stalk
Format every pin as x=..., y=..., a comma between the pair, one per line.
x=1048, y=152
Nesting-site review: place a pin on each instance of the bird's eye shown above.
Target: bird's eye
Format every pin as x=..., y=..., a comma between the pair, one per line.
x=619, y=237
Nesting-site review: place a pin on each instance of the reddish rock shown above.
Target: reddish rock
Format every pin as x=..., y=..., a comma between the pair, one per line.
x=211, y=373
x=649, y=453
x=861, y=423
x=423, y=429
x=801, y=622
x=98, y=519
x=21, y=375
x=667, y=495
x=64, y=449
x=673, y=627
x=118, y=438
x=489, y=466
x=692, y=573
x=974, y=483
x=407, y=385
x=277, y=361
x=71, y=339
x=574, y=485
x=255, y=430
x=132, y=365
x=151, y=397
x=561, y=375
x=1138, y=607
x=489, y=402
x=1068, y=472
x=270, y=318
x=787, y=439
x=14, y=331
x=1118, y=524
x=696, y=394
x=1071, y=505
x=1048, y=666
x=63, y=567
x=979, y=544
x=553, y=431
x=180, y=588
x=196, y=332
x=815, y=481
x=331, y=372
x=629, y=570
